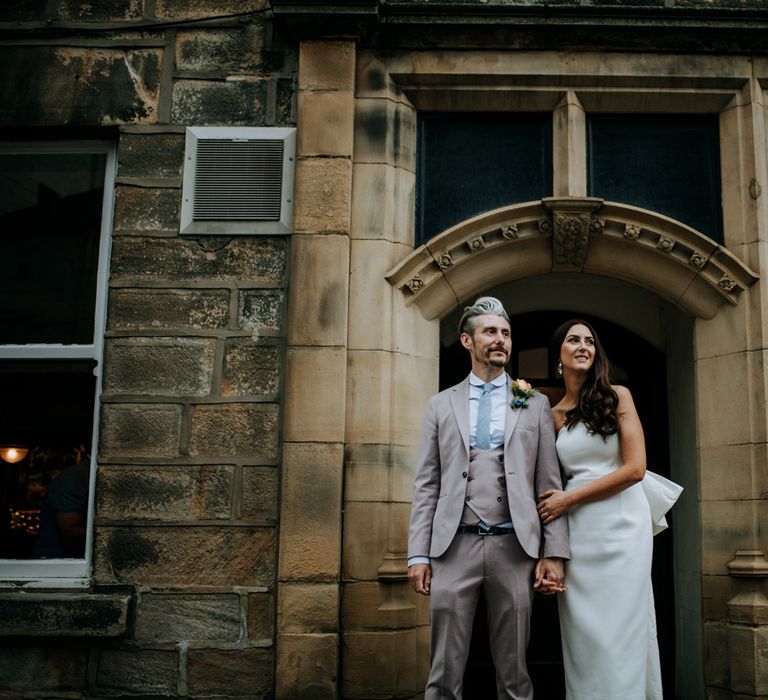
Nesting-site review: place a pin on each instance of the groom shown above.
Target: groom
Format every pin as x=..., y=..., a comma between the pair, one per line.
x=474, y=524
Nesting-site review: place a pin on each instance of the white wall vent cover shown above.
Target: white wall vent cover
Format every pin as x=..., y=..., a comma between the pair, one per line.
x=238, y=180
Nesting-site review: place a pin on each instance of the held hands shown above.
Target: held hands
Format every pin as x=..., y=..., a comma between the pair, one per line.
x=552, y=504
x=549, y=574
x=420, y=577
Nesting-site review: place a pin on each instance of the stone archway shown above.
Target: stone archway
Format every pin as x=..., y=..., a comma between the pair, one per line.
x=574, y=234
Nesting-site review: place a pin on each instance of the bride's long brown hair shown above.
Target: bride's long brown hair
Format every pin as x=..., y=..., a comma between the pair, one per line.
x=597, y=402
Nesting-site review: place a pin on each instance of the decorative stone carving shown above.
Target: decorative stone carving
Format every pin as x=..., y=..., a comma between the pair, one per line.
x=415, y=284
x=476, y=243
x=565, y=225
x=665, y=243
x=697, y=260
x=750, y=563
x=632, y=231
x=444, y=260
x=510, y=232
x=754, y=189
x=726, y=283
x=570, y=238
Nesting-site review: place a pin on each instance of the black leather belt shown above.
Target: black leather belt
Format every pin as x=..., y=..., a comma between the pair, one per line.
x=480, y=530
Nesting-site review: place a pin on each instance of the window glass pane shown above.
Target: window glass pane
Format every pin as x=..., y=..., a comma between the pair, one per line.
x=471, y=163
x=50, y=221
x=47, y=409
x=670, y=165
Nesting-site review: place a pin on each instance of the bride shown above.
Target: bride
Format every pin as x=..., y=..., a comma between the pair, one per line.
x=607, y=619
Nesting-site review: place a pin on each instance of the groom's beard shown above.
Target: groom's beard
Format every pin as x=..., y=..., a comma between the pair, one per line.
x=495, y=361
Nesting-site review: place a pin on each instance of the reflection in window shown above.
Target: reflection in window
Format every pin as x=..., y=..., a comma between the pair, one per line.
x=51, y=304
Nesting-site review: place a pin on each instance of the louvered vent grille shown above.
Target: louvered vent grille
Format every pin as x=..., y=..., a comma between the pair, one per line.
x=238, y=180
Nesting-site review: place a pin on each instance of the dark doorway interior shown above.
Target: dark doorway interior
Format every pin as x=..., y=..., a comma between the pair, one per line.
x=642, y=368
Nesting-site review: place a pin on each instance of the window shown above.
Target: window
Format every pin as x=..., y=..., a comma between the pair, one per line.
x=471, y=163
x=669, y=164
x=55, y=215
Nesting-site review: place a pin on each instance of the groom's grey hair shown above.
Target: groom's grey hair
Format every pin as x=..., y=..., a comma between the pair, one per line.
x=483, y=305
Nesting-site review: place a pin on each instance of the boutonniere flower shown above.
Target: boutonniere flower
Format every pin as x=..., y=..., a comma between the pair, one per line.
x=521, y=392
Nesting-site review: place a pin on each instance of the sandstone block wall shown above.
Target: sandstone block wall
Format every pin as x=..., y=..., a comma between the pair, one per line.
x=185, y=554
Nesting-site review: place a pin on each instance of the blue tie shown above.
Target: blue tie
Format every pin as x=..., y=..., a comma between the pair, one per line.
x=483, y=428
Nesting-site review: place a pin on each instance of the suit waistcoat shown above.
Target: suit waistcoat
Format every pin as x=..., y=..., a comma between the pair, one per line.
x=486, y=497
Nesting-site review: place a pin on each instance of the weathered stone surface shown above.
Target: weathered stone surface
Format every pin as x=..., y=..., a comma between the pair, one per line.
x=306, y=666
x=171, y=617
x=235, y=430
x=230, y=672
x=137, y=672
x=328, y=118
x=366, y=526
x=144, y=430
x=63, y=614
x=152, y=156
x=159, y=366
x=259, y=498
x=172, y=310
x=261, y=310
x=383, y=664
x=749, y=659
x=164, y=493
x=206, y=556
x=42, y=668
x=318, y=315
x=231, y=50
x=261, y=616
x=323, y=195
x=250, y=261
x=374, y=605
x=315, y=394
x=231, y=102
x=188, y=9
x=146, y=210
x=308, y=607
x=310, y=518
x=327, y=65
x=75, y=85
x=251, y=369
x=286, y=100
x=101, y=10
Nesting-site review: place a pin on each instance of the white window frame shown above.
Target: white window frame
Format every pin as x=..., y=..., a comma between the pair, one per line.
x=70, y=573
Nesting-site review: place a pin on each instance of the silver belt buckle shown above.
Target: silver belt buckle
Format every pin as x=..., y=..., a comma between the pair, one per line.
x=483, y=530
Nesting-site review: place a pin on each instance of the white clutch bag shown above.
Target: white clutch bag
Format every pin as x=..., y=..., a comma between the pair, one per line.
x=661, y=494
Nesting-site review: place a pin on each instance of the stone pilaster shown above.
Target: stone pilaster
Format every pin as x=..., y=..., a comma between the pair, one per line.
x=315, y=407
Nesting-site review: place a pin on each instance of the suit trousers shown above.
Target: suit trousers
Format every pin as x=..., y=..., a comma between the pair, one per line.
x=497, y=565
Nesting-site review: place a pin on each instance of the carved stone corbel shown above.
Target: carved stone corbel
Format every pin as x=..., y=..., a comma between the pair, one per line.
x=572, y=222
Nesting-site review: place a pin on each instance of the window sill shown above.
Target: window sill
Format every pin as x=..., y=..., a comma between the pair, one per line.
x=64, y=614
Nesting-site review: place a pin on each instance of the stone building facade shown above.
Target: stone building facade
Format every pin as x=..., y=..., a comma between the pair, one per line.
x=260, y=394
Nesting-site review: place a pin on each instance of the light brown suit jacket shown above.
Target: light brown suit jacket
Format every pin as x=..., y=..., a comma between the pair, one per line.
x=530, y=462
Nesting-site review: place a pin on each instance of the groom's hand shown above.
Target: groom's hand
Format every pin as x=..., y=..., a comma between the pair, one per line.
x=420, y=577
x=549, y=576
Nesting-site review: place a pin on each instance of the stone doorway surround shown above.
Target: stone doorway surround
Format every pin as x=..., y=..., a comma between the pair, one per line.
x=363, y=337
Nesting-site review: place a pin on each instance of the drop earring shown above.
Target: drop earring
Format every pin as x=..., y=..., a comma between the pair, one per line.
x=559, y=368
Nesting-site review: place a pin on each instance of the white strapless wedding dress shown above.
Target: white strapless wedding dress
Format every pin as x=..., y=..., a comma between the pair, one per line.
x=607, y=618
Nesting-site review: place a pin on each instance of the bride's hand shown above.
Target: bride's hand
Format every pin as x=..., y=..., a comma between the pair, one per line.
x=552, y=504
